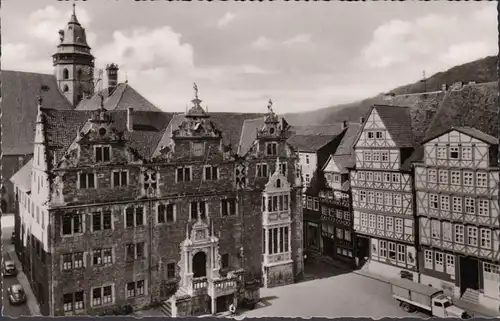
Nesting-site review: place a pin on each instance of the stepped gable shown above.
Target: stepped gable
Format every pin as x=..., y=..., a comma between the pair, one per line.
x=121, y=98
x=20, y=91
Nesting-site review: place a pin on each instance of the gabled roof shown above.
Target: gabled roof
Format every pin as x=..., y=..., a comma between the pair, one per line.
x=397, y=121
x=469, y=131
x=121, y=98
x=19, y=108
x=22, y=178
x=249, y=134
x=310, y=143
x=346, y=146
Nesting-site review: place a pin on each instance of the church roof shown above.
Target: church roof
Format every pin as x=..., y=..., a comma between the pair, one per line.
x=19, y=108
x=121, y=98
x=22, y=178
x=74, y=34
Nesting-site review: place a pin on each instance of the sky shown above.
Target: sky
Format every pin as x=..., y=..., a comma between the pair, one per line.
x=302, y=55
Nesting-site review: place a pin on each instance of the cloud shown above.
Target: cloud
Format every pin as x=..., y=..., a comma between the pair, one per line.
x=298, y=39
x=44, y=23
x=19, y=56
x=226, y=20
x=262, y=43
x=467, y=51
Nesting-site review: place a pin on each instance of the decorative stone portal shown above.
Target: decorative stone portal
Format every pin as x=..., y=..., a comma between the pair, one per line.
x=200, y=265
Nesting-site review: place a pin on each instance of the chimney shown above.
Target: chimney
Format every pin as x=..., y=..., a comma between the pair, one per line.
x=344, y=124
x=112, y=74
x=130, y=119
x=362, y=120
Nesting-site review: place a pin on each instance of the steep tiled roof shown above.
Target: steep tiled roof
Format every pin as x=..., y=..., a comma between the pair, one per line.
x=121, y=98
x=309, y=143
x=397, y=121
x=19, y=108
x=472, y=132
x=22, y=178
x=346, y=146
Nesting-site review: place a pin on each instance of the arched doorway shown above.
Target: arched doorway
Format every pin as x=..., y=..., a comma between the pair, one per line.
x=200, y=265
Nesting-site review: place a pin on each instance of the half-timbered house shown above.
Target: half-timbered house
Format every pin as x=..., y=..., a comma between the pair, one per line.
x=382, y=193
x=456, y=185
x=335, y=201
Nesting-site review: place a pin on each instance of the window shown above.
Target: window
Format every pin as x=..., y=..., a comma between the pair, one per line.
x=347, y=216
x=392, y=250
x=481, y=179
x=397, y=199
x=372, y=220
x=433, y=201
x=388, y=199
x=86, y=180
x=102, y=295
x=468, y=179
x=399, y=225
x=436, y=229
x=384, y=156
x=65, y=73
x=379, y=197
x=183, y=174
x=278, y=239
x=470, y=205
x=134, y=216
x=309, y=202
x=307, y=159
x=135, y=251
x=485, y=238
x=224, y=261
x=371, y=197
x=380, y=222
x=377, y=177
x=102, y=154
x=401, y=253
x=72, y=224
x=395, y=178
x=441, y=152
x=228, y=207
x=439, y=261
x=171, y=270
x=283, y=170
x=369, y=176
x=376, y=156
x=378, y=135
x=453, y=152
x=472, y=235
x=466, y=153
x=362, y=196
x=102, y=256
x=367, y=156
x=120, y=178
x=262, y=170
x=211, y=173
x=387, y=177
x=428, y=259
x=72, y=261
x=271, y=149
x=364, y=219
x=166, y=213
x=432, y=175
x=135, y=289
x=383, y=248
x=316, y=203
x=308, y=179
x=198, y=210
x=150, y=180
x=455, y=177
x=339, y=233
x=447, y=231
x=459, y=234
x=483, y=207
x=101, y=221
x=445, y=203
x=443, y=177
x=347, y=235
x=336, y=178
x=457, y=204
x=339, y=214
x=370, y=135
x=73, y=302
x=361, y=176
x=450, y=264
x=389, y=223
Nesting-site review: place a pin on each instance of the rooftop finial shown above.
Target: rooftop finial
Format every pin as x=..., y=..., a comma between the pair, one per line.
x=195, y=87
x=270, y=106
x=74, y=5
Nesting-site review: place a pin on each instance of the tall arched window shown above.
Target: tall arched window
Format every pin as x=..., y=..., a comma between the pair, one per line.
x=65, y=73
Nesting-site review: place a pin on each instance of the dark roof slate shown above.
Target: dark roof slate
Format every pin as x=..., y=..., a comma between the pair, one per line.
x=19, y=108
x=397, y=121
x=309, y=143
x=121, y=98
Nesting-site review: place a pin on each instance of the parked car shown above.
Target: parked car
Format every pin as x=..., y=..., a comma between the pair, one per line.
x=16, y=294
x=9, y=268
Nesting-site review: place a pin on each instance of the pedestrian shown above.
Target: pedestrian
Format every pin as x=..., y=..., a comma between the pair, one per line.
x=232, y=309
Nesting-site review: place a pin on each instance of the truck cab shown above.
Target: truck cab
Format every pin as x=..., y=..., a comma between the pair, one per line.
x=442, y=307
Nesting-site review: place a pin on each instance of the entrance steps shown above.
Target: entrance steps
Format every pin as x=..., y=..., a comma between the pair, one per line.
x=471, y=296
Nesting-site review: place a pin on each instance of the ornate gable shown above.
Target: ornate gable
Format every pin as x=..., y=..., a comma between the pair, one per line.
x=277, y=182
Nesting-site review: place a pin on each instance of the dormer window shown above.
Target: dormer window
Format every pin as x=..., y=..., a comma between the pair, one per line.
x=102, y=154
x=271, y=149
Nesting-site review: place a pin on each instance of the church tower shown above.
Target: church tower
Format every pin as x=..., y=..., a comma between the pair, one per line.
x=73, y=62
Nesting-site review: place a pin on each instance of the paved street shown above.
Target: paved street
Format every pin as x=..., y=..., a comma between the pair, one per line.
x=8, y=309
x=345, y=294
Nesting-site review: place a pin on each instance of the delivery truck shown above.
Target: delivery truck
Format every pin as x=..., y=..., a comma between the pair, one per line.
x=413, y=296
